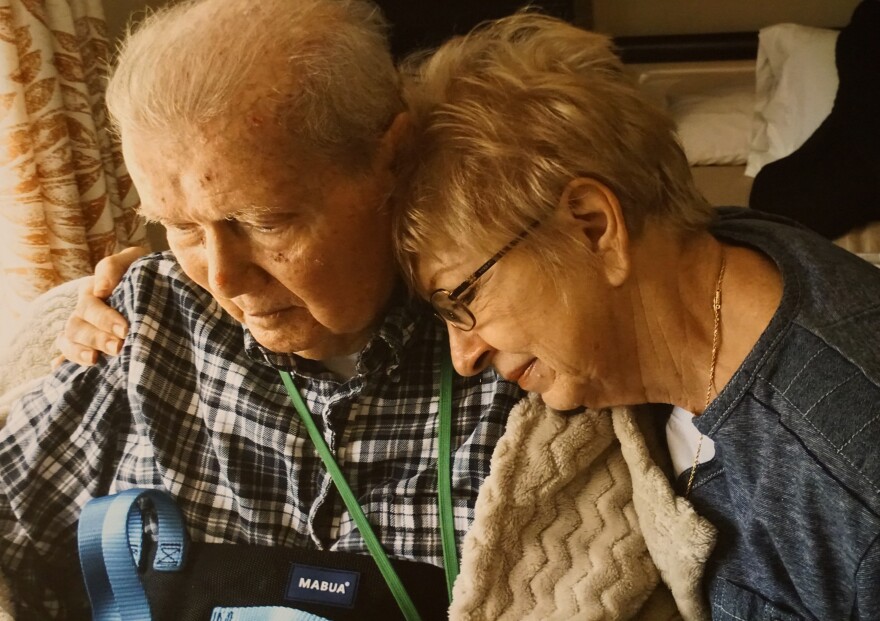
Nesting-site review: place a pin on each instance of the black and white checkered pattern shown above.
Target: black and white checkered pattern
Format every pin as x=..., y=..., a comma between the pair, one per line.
x=194, y=405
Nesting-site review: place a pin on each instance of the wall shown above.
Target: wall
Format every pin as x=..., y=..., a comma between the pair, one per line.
x=119, y=12
x=649, y=17
x=638, y=17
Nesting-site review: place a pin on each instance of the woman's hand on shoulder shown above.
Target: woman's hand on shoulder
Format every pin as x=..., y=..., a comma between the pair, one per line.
x=94, y=327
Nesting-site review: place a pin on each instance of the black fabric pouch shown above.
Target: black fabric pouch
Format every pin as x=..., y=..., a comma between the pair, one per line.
x=231, y=575
x=335, y=585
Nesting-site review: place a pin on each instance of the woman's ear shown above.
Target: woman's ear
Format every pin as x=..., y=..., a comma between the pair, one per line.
x=392, y=141
x=590, y=209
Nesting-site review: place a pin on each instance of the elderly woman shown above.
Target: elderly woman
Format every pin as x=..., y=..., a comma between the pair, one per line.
x=551, y=220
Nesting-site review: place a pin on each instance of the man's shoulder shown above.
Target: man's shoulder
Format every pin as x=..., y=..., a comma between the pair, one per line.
x=158, y=267
x=156, y=286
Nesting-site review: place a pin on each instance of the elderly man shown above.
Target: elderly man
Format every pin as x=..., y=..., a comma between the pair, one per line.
x=262, y=136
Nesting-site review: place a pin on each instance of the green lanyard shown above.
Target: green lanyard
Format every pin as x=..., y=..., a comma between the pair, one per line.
x=444, y=486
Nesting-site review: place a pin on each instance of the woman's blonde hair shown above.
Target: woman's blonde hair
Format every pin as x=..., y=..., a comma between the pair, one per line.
x=189, y=63
x=506, y=116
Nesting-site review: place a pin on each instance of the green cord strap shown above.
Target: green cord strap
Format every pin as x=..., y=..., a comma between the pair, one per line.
x=444, y=489
x=444, y=474
x=397, y=589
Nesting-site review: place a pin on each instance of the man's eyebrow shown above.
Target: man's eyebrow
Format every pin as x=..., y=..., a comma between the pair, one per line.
x=244, y=213
x=249, y=211
x=257, y=210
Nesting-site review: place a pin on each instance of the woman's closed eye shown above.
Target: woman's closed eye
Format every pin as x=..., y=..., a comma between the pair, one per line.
x=469, y=294
x=478, y=289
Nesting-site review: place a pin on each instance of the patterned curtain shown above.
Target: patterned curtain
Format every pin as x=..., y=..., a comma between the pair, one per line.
x=66, y=199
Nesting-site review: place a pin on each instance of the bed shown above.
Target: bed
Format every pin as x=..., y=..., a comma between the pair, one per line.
x=781, y=120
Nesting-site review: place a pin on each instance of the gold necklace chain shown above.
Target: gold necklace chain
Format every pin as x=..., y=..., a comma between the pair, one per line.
x=716, y=343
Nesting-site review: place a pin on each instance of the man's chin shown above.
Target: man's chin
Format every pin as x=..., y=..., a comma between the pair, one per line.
x=305, y=348
x=311, y=347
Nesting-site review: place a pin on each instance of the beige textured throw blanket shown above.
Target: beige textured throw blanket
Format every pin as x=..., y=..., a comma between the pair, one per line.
x=577, y=522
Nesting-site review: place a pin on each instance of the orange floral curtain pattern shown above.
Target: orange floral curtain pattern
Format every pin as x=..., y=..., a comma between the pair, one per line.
x=66, y=199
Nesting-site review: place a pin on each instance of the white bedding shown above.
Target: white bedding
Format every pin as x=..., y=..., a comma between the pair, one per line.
x=756, y=111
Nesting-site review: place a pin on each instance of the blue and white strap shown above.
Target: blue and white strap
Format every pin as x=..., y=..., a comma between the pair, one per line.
x=110, y=540
x=263, y=613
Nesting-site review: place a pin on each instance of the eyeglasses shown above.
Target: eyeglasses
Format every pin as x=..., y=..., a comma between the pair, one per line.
x=451, y=308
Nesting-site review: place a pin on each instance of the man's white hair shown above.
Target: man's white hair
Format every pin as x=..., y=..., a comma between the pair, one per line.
x=336, y=88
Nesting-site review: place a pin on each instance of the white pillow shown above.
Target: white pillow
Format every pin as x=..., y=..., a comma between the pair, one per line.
x=796, y=82
x=713, y=126
x=711, y=102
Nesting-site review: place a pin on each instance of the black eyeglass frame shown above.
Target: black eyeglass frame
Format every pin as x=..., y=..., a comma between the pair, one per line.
x=453, y=298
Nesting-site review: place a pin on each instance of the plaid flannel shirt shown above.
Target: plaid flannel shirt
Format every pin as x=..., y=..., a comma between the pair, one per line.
x=195, y=406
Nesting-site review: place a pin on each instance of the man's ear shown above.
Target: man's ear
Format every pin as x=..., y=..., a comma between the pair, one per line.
x=593, y=212
x=392, y=141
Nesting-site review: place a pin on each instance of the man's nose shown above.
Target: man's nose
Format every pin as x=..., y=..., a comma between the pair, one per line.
x=227, y=262
x=470, y=354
